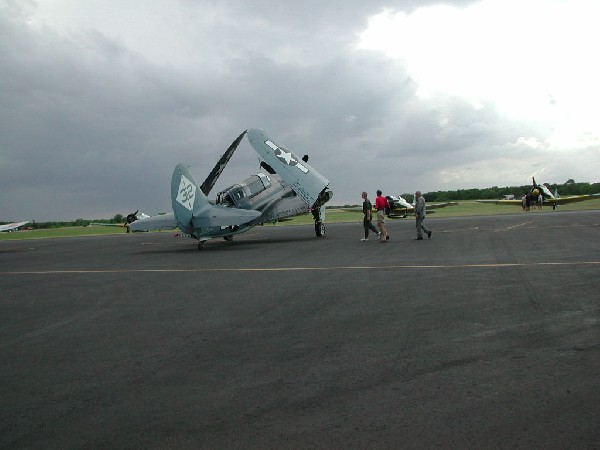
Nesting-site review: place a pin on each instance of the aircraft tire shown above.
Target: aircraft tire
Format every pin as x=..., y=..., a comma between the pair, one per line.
x=320, y=229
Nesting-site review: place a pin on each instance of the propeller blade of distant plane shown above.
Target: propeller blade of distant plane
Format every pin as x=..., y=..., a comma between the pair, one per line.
x=213, y=176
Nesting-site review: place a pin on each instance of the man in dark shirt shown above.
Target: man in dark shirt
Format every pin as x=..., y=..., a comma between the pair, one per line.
x=368, y=217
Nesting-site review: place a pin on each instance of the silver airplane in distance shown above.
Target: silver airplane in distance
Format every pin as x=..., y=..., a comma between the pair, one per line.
x=13, y=226
x=398, y=207
x=288, y=186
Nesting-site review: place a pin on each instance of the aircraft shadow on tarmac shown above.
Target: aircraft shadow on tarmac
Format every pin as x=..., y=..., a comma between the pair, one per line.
x=220, y=245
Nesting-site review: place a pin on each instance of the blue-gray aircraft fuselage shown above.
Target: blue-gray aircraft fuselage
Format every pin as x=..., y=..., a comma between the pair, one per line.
x=289, y=187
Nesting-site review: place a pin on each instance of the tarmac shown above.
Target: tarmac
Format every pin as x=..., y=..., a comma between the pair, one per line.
x=487, y=335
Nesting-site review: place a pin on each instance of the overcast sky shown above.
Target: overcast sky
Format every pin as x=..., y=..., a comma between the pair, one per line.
x=99, y=100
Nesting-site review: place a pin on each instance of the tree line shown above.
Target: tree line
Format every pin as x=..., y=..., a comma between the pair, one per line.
x=494, y=192
x=568, y=188
x=118, y=218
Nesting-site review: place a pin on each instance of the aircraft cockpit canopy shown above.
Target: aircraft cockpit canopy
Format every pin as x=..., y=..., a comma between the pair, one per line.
x=257, y=183
x=251, y=186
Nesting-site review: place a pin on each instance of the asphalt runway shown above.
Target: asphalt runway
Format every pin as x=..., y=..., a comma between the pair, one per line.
x=487, y=335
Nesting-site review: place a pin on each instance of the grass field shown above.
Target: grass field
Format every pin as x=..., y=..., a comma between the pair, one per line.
x=61, y=232
x=464, y=208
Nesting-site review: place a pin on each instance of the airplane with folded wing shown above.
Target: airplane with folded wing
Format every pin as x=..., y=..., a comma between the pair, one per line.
x=288, y=186
x=548, y=198
x=12, y=226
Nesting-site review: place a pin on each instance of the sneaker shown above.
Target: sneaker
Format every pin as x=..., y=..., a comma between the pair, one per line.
x=378, y=234
x=429, y=235
x=364, y=239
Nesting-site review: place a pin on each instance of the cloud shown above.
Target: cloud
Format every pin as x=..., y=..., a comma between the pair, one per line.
x=100, y=100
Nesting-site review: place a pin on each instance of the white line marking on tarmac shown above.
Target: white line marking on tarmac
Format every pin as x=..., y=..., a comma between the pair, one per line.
x=294, y=269
x=519, y=225
x=502, y=230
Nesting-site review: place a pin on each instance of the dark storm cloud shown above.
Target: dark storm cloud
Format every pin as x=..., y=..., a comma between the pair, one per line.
x=91, y=127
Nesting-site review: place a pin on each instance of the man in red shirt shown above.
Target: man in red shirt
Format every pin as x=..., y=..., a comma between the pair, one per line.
x=380, y=205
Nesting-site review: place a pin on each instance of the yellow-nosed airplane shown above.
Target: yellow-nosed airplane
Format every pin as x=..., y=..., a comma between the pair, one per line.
x=531, y=199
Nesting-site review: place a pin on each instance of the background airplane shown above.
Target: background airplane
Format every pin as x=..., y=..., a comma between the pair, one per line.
x=548, y=198
x=12, y=226
x=399, y=207
x=128, y=220
x=290, y=187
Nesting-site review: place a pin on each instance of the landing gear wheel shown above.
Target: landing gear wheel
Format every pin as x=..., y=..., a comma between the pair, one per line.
x=228, y=238
x=320, y=229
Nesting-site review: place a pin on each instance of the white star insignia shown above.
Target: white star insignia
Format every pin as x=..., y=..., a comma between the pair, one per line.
x=286, y=156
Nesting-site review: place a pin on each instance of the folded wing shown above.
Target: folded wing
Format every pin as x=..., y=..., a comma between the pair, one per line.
x=298, y=174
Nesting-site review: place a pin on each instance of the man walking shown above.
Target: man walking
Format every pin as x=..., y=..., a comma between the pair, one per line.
x=380, y=205
x=420, y=212
x=368, y=217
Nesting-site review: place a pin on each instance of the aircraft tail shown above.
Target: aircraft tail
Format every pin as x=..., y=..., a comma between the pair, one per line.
x=193, y=210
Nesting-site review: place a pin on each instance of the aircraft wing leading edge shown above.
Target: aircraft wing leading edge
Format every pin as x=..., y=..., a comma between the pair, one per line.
x=213, y=176
x=547, y=201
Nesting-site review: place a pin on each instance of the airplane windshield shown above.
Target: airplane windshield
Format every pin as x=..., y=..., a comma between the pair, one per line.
x=256, y=183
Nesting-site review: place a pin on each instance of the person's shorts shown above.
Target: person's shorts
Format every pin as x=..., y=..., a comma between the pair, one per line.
x=380, y=216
